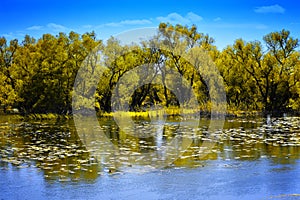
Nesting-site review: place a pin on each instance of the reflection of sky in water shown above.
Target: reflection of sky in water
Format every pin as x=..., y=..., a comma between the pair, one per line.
x=217, y=180
x=252, y=160
x=159, y=133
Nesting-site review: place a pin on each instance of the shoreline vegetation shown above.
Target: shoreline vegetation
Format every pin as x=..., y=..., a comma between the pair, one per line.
x=169, y=112
x=40, y=76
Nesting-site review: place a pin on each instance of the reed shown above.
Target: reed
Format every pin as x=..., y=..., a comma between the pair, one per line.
x=170, y=111
x=48, y=116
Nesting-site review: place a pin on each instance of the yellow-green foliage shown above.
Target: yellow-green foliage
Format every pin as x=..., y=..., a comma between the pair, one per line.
x=37, y=76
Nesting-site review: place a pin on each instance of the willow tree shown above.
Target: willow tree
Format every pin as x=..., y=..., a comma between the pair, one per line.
x=281, y=60
x=8, y=93
x=179, y=41
x=270, y=70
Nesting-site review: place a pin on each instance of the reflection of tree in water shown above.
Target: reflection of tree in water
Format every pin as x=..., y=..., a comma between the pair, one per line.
x=50, y=146
x=54, y=147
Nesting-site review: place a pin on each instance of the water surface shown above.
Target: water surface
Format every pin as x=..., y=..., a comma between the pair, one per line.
x=250, y=159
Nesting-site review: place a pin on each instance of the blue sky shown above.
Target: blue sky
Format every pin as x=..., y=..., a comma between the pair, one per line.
x=225, y=21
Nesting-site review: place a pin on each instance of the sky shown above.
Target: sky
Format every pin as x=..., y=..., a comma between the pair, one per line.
x=225, y=21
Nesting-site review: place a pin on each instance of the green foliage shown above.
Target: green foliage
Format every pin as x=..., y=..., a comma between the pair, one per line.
x=262, y=79
x=37, y=76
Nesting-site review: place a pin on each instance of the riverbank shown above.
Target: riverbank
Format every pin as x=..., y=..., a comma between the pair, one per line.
x=170, y=112
x=52, y=116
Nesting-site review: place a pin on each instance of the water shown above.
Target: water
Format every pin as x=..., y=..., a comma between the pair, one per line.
x=250, y=159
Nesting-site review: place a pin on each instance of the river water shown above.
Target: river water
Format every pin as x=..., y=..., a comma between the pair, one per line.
x=52, y=159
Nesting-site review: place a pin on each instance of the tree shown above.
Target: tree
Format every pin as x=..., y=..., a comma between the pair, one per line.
x=269, y=70
x=281, y=60
x=8, y=95
x=179, y=40
x=38, y=76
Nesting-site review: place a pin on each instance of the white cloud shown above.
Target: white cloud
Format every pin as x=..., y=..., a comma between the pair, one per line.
x=295, y=23
x=270, y=9
x=175, y=18
x=14, y=35
x=193, y=17
x=8, y=35
x=240, y=26
x=217, y=19
x=56, y=27
x=128, y=22
x=87, y=26
x=261, y=26
x=34, y=28
x=136, y=22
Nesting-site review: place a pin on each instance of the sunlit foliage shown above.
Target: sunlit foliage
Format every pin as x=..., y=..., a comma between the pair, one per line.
x=38, y=75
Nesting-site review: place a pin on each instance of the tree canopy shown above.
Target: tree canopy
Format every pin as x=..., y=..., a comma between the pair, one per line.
x=38, y=75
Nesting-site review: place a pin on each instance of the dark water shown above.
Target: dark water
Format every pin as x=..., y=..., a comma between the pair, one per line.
x=248, y=159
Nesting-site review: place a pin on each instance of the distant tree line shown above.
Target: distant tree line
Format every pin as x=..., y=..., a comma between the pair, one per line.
x=38, y=75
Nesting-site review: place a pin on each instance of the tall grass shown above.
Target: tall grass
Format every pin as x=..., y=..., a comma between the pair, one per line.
x=170, y=111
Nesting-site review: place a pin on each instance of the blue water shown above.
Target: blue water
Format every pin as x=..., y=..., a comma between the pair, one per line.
x=218, y=179
x=248, y=168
